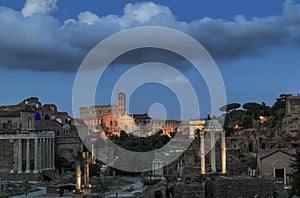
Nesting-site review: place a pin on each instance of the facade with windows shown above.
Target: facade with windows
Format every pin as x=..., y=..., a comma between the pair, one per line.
x=32, y=136
x=94, y=115
x=274, y=164
x=22, y=148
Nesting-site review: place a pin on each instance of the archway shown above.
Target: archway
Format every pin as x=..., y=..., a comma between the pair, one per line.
x=59, y=120
x=250, y=147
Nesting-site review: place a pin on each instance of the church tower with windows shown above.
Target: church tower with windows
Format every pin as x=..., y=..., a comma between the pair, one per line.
x=121, y=104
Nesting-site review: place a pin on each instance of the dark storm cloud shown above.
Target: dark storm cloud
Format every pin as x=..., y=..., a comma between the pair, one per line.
x=239, y=38
x=41, y=42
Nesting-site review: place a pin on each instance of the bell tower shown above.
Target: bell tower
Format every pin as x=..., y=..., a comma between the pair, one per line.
x=121, y=104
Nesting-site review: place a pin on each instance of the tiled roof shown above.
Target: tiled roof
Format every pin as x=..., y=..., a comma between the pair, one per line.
x=265, y=152
x=44, y=125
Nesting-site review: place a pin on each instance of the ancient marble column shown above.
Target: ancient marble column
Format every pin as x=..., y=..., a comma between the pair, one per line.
x=223, y=152
x=212, y=151
x=27, y=156
x=53, y=154
x=19, y=155
x=284, y=176
x=87, y=175
x=49, y=153
x=46, y=153
x=78, y=178
x=40, y=154
x=202, y=152
x=36, y=155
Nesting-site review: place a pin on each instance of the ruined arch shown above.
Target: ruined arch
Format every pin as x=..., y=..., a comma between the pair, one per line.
x=197, y=133
x=68, y=121
x=59, y=120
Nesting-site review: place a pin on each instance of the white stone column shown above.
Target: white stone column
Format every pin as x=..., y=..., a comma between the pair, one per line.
x=50, y=153
x=78, y=177
x=36, y=149
x=224, y=171
x=47, y=153
x=27, y=156
x=53, y=153
x=40, y=154
x=202, y=152
x=284, y=176
x=19, y=155
x=212, y=151
x=87, y=174
x=43, y=153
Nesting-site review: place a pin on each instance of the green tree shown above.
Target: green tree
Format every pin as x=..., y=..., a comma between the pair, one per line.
x=280, y=113
x=141, y=144
x=229, y=107
x=296, y=176
x=247, y=121
x=266, y=109
x=279, y=104
x=254, y=109
x=229, y=120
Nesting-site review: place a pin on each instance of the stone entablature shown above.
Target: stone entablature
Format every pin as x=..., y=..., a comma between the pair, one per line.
x=16, y=121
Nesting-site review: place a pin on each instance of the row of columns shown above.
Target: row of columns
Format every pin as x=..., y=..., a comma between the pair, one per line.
x=212, y=151
x=43, y=154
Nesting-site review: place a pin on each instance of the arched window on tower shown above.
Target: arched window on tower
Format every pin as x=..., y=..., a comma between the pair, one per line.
x=46, y=117
x=37, y=116
x=29, y=124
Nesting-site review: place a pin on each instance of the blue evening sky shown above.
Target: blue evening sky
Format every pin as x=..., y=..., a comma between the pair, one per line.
x=42, y=43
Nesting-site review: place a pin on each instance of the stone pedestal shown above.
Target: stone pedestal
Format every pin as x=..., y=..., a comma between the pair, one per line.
x=87, y=191
x=78, y=194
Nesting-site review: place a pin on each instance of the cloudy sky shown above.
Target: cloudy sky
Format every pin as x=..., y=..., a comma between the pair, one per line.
x=256, y=45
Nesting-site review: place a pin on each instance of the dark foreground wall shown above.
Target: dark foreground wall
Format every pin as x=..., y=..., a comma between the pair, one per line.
x=239, y=187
